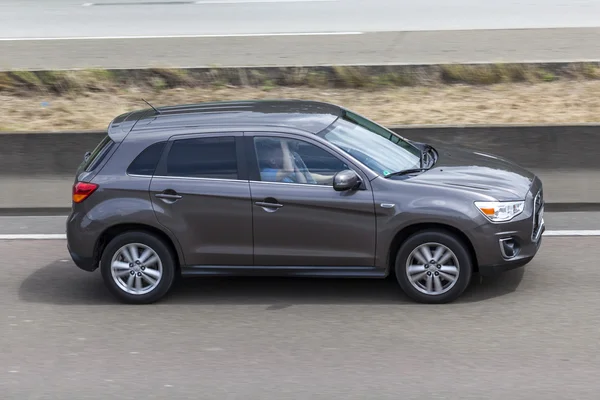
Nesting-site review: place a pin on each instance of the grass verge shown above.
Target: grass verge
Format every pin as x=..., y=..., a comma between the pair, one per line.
x=440, y=94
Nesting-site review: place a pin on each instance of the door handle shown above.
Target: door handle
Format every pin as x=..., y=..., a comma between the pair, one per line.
x=168, y=196
x=268, y=205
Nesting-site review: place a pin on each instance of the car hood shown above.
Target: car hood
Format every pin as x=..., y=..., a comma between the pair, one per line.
x=484, y=173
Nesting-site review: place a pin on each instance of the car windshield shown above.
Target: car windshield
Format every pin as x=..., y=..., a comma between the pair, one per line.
x=375, y=146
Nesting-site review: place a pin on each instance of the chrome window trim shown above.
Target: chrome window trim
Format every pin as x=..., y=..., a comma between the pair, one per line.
x=293, y=184
x=197, y=178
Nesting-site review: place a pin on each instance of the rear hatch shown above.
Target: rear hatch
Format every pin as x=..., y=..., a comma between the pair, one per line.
x=117, y=130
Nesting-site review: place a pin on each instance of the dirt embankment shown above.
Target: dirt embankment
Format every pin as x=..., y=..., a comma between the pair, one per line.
x=533, y=94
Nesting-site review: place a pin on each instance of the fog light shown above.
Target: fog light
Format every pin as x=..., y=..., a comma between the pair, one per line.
x=509, y=247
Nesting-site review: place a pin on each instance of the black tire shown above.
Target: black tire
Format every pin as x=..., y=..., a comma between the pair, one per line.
x=452, y=242
x=167, y=259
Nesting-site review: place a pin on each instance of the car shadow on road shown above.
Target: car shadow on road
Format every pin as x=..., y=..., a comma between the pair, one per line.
x=61, y=283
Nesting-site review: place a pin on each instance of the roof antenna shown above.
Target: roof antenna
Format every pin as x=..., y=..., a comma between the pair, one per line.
x=154, y=108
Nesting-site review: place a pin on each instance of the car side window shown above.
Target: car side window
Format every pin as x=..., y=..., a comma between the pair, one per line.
x=210, y=157
x=98, y=154
x=295, y=161
x=145, y=163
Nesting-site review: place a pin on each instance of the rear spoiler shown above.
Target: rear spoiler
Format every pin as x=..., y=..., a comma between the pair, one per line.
x=119, y=128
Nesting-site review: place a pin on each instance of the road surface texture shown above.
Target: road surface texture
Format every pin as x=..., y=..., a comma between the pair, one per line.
x=529, y=334
x=63, y=34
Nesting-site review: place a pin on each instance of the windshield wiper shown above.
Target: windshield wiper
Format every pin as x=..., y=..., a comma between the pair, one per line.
x=407, y=171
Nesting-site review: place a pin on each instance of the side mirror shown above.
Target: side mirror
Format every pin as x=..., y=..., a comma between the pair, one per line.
x=346, y=180
x=87, y=155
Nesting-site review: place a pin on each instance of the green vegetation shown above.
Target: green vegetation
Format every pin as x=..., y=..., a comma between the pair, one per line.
x=391, y=95
x=362, y=77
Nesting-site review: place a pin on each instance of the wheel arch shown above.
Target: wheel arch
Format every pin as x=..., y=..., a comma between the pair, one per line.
x=403, y=234
x=113, y=231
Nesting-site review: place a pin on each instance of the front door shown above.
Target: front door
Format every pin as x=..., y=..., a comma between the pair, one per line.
x=199, y=192
x=299, y=219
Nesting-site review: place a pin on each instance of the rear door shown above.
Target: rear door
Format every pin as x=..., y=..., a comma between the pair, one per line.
x=200, y=192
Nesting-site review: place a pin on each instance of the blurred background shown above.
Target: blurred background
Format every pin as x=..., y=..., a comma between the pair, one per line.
x=515, y=78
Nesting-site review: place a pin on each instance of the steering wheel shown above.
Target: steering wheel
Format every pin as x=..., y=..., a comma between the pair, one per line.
x=301, y=168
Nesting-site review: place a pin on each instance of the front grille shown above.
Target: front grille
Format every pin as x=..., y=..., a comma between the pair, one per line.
x=538, y=206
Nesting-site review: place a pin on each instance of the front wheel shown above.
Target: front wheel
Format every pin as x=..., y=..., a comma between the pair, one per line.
x=433, y=266
x=138, y=267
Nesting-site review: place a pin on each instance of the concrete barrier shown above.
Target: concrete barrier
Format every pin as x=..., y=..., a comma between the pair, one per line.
x=566, y=157
x=37, y=169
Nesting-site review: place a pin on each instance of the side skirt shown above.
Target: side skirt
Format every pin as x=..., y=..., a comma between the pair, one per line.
x=298, y=271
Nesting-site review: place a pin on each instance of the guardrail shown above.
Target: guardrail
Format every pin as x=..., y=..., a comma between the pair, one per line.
x=37, y=169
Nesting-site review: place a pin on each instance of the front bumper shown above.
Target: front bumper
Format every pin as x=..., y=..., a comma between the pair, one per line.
x=503, y=264
x=504, y=246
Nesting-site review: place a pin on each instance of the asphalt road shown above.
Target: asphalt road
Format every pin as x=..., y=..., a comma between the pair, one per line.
x=110, y=18
x=529, y=334
x=205, y=33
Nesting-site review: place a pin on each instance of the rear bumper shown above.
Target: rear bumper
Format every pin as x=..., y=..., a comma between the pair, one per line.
x=85, y=263
x=79, y=245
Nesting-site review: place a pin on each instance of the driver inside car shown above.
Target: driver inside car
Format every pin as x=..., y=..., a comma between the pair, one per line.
x=279, y=164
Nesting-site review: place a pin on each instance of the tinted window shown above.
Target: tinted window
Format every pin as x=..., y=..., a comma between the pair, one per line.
x=295, y=161
x=203, y=158
x=98, y=154
x=145, y=163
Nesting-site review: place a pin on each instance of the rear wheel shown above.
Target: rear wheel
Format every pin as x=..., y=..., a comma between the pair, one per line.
x=138, y=267
x=433, y=266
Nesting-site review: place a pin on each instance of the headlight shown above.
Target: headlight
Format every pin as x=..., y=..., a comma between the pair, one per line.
x=500, y=211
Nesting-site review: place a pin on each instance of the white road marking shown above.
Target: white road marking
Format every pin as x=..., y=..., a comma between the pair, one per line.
x=41, y=236
x=62, y=236
x=573, y=233
x=21, y=39
x=34, y=216
x=200, y=2
x=261, y=1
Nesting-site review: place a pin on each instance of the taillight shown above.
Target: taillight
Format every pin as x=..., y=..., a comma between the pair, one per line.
x=83, y=190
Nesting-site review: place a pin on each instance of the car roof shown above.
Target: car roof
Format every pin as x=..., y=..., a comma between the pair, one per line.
x=309, y=116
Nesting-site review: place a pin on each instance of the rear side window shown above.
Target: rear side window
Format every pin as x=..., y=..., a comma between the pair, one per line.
x=145, y=163
x=213, y=157
x=98, y=154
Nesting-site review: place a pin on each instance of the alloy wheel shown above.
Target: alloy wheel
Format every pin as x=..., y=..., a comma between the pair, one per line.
x=136, y=268
x=432, y=268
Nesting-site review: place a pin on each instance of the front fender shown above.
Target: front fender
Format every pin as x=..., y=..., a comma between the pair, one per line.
x=396, y=222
